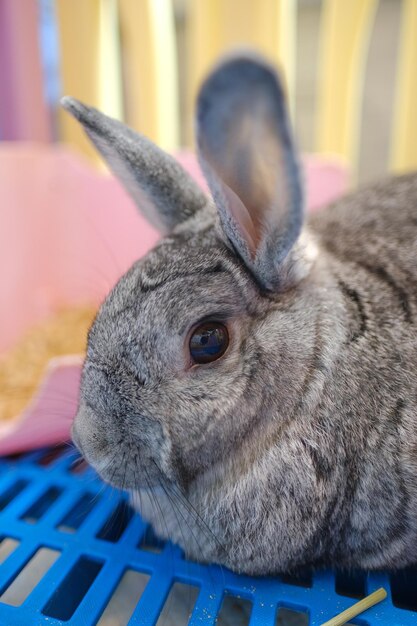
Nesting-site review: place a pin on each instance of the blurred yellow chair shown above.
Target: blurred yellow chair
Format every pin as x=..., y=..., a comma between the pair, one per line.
x=404, y=141
x=345, y=33
x=103, y=41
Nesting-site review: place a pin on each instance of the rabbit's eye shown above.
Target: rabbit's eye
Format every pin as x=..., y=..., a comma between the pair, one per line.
x=208, y=342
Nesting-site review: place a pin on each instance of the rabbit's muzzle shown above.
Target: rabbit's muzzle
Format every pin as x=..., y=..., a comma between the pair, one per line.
x=124, y=461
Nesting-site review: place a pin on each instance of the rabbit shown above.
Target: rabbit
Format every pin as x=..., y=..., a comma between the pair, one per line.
x=252, y=381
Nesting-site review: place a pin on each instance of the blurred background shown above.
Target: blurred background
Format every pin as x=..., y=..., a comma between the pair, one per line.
x=350, y=68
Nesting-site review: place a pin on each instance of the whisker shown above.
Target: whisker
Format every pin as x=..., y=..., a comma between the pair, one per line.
x=194, y=515
x=188, y=506
x=189, y=526
x=158, y=507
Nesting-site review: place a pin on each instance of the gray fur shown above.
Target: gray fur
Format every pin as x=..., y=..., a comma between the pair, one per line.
x=297, y=447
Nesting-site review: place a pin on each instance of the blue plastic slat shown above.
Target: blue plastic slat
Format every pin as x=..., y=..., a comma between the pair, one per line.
x=320, y=601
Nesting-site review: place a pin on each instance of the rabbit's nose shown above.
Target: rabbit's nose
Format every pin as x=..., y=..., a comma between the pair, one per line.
x=75, y=438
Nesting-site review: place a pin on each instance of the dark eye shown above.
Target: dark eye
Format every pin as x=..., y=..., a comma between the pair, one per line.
x=209, y=342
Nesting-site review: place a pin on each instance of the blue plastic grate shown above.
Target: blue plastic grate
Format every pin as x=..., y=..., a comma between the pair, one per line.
x=66, y=542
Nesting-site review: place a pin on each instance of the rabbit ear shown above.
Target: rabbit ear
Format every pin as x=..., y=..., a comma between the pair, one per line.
x=160, y=187
x=248, y=157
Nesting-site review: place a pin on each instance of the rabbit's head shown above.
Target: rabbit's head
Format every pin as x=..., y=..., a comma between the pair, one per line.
x=210, y=336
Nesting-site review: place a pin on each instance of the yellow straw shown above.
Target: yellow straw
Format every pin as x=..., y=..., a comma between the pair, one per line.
x=356, y=609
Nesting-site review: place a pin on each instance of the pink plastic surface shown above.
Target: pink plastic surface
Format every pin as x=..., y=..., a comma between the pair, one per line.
x=67, y=233
x=48, y=417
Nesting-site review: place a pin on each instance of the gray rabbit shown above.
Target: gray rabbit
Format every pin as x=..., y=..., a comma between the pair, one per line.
x=253, y=380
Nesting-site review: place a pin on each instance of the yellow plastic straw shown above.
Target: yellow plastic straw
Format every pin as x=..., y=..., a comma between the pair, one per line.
x=358, y=608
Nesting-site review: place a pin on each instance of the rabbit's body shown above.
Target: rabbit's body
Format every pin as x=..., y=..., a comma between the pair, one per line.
x=351, y=438
x=371, y=238
x=298, y=444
